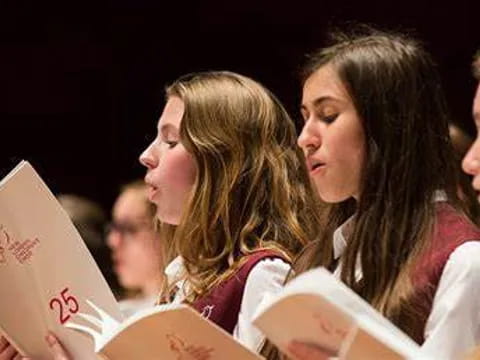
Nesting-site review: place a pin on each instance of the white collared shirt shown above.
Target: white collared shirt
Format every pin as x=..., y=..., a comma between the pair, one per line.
x=266, y=278
x=453, y=326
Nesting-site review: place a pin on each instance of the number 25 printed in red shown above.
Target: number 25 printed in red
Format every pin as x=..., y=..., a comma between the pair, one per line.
x=66, y=304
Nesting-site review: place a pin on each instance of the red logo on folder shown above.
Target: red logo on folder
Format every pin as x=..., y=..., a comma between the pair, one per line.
x=184, y=351
x=22, y=251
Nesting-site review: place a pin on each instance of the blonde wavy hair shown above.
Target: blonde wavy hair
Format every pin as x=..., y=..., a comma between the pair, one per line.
x=252, y=189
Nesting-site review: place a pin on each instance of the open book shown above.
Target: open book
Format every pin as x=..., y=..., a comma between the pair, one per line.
x=49, y=281
x=318, y=309
x=46, y=270
x=167, y=332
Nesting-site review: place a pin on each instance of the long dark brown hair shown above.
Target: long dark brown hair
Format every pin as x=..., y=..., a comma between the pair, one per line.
x=396, y=91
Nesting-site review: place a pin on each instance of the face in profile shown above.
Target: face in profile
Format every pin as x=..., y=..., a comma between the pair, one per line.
x=332, y=137
x=171, y=170
x=133, y=241
x=471, y=162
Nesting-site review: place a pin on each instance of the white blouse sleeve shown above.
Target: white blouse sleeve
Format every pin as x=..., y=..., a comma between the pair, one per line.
x=453, y=327
x=266, y=278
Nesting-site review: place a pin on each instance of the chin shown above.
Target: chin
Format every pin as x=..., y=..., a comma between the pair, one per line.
x=333, y=197
x=167, y=218
x=125, y=283
x=131, y=282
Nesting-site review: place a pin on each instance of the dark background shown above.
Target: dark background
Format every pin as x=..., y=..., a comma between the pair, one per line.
x=81, y=82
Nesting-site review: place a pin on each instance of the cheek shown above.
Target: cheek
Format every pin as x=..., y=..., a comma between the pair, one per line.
x=359, y=159
x=185, y=170
x=177, y=171
x=357, y=149
x=137, y=255
x=349, y=151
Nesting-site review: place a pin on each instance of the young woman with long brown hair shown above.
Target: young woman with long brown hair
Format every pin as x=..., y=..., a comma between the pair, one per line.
x=377, y=146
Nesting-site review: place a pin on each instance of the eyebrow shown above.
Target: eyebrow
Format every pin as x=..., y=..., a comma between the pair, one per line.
x=168, y=127
x=319, y=101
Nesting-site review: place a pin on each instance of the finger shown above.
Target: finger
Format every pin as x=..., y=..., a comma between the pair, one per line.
x=303, y=351
x=18, y=357
x=3, y=343
x=56, y=348
x=8, y=353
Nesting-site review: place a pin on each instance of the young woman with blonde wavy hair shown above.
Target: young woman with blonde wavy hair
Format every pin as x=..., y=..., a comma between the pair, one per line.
x=226, y=172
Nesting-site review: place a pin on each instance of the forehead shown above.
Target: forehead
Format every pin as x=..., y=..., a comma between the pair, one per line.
x=172, y=113
x=323, y=83
x=476, y=103
x=131, y=204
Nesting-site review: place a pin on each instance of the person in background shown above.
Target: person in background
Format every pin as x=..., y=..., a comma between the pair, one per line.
x=134, y=241
x=461, y=142
x=471, y=161
x=90, y=220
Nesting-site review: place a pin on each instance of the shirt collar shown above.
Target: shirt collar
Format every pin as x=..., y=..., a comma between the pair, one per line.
x=339, y=242
x=440, y=195
x=174, y=271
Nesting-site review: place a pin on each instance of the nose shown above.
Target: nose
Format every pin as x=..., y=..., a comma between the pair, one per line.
x=310, y=138
x=147, y=157
x=470, y=163
x=114, y=239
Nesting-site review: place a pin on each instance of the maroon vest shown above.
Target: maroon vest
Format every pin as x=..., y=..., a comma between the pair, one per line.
x=222, y=303
x=451, y=230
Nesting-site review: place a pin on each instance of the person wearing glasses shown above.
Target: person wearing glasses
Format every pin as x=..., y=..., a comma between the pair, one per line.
x=135, y=245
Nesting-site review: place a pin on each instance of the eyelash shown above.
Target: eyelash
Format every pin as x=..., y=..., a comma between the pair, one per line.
x=328, y=119
x=171, y=144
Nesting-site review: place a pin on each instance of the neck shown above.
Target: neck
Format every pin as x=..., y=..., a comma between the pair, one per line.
x=152, y=287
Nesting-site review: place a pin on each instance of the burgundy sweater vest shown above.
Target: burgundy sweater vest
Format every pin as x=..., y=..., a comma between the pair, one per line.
x=451, y=230
x=222, y=303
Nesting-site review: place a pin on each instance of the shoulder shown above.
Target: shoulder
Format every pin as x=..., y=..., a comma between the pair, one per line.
x=266, y=278
x=463, y=266
x=450, y=219
x=455, y=305
x=261, y=262
x=452, y=230
x=269, y=269
x=466, y=256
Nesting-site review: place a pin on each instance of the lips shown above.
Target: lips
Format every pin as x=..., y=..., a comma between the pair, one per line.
x=151, y=189
x=315, y=165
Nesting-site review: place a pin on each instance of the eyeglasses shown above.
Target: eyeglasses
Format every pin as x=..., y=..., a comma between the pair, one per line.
x=126, y=229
